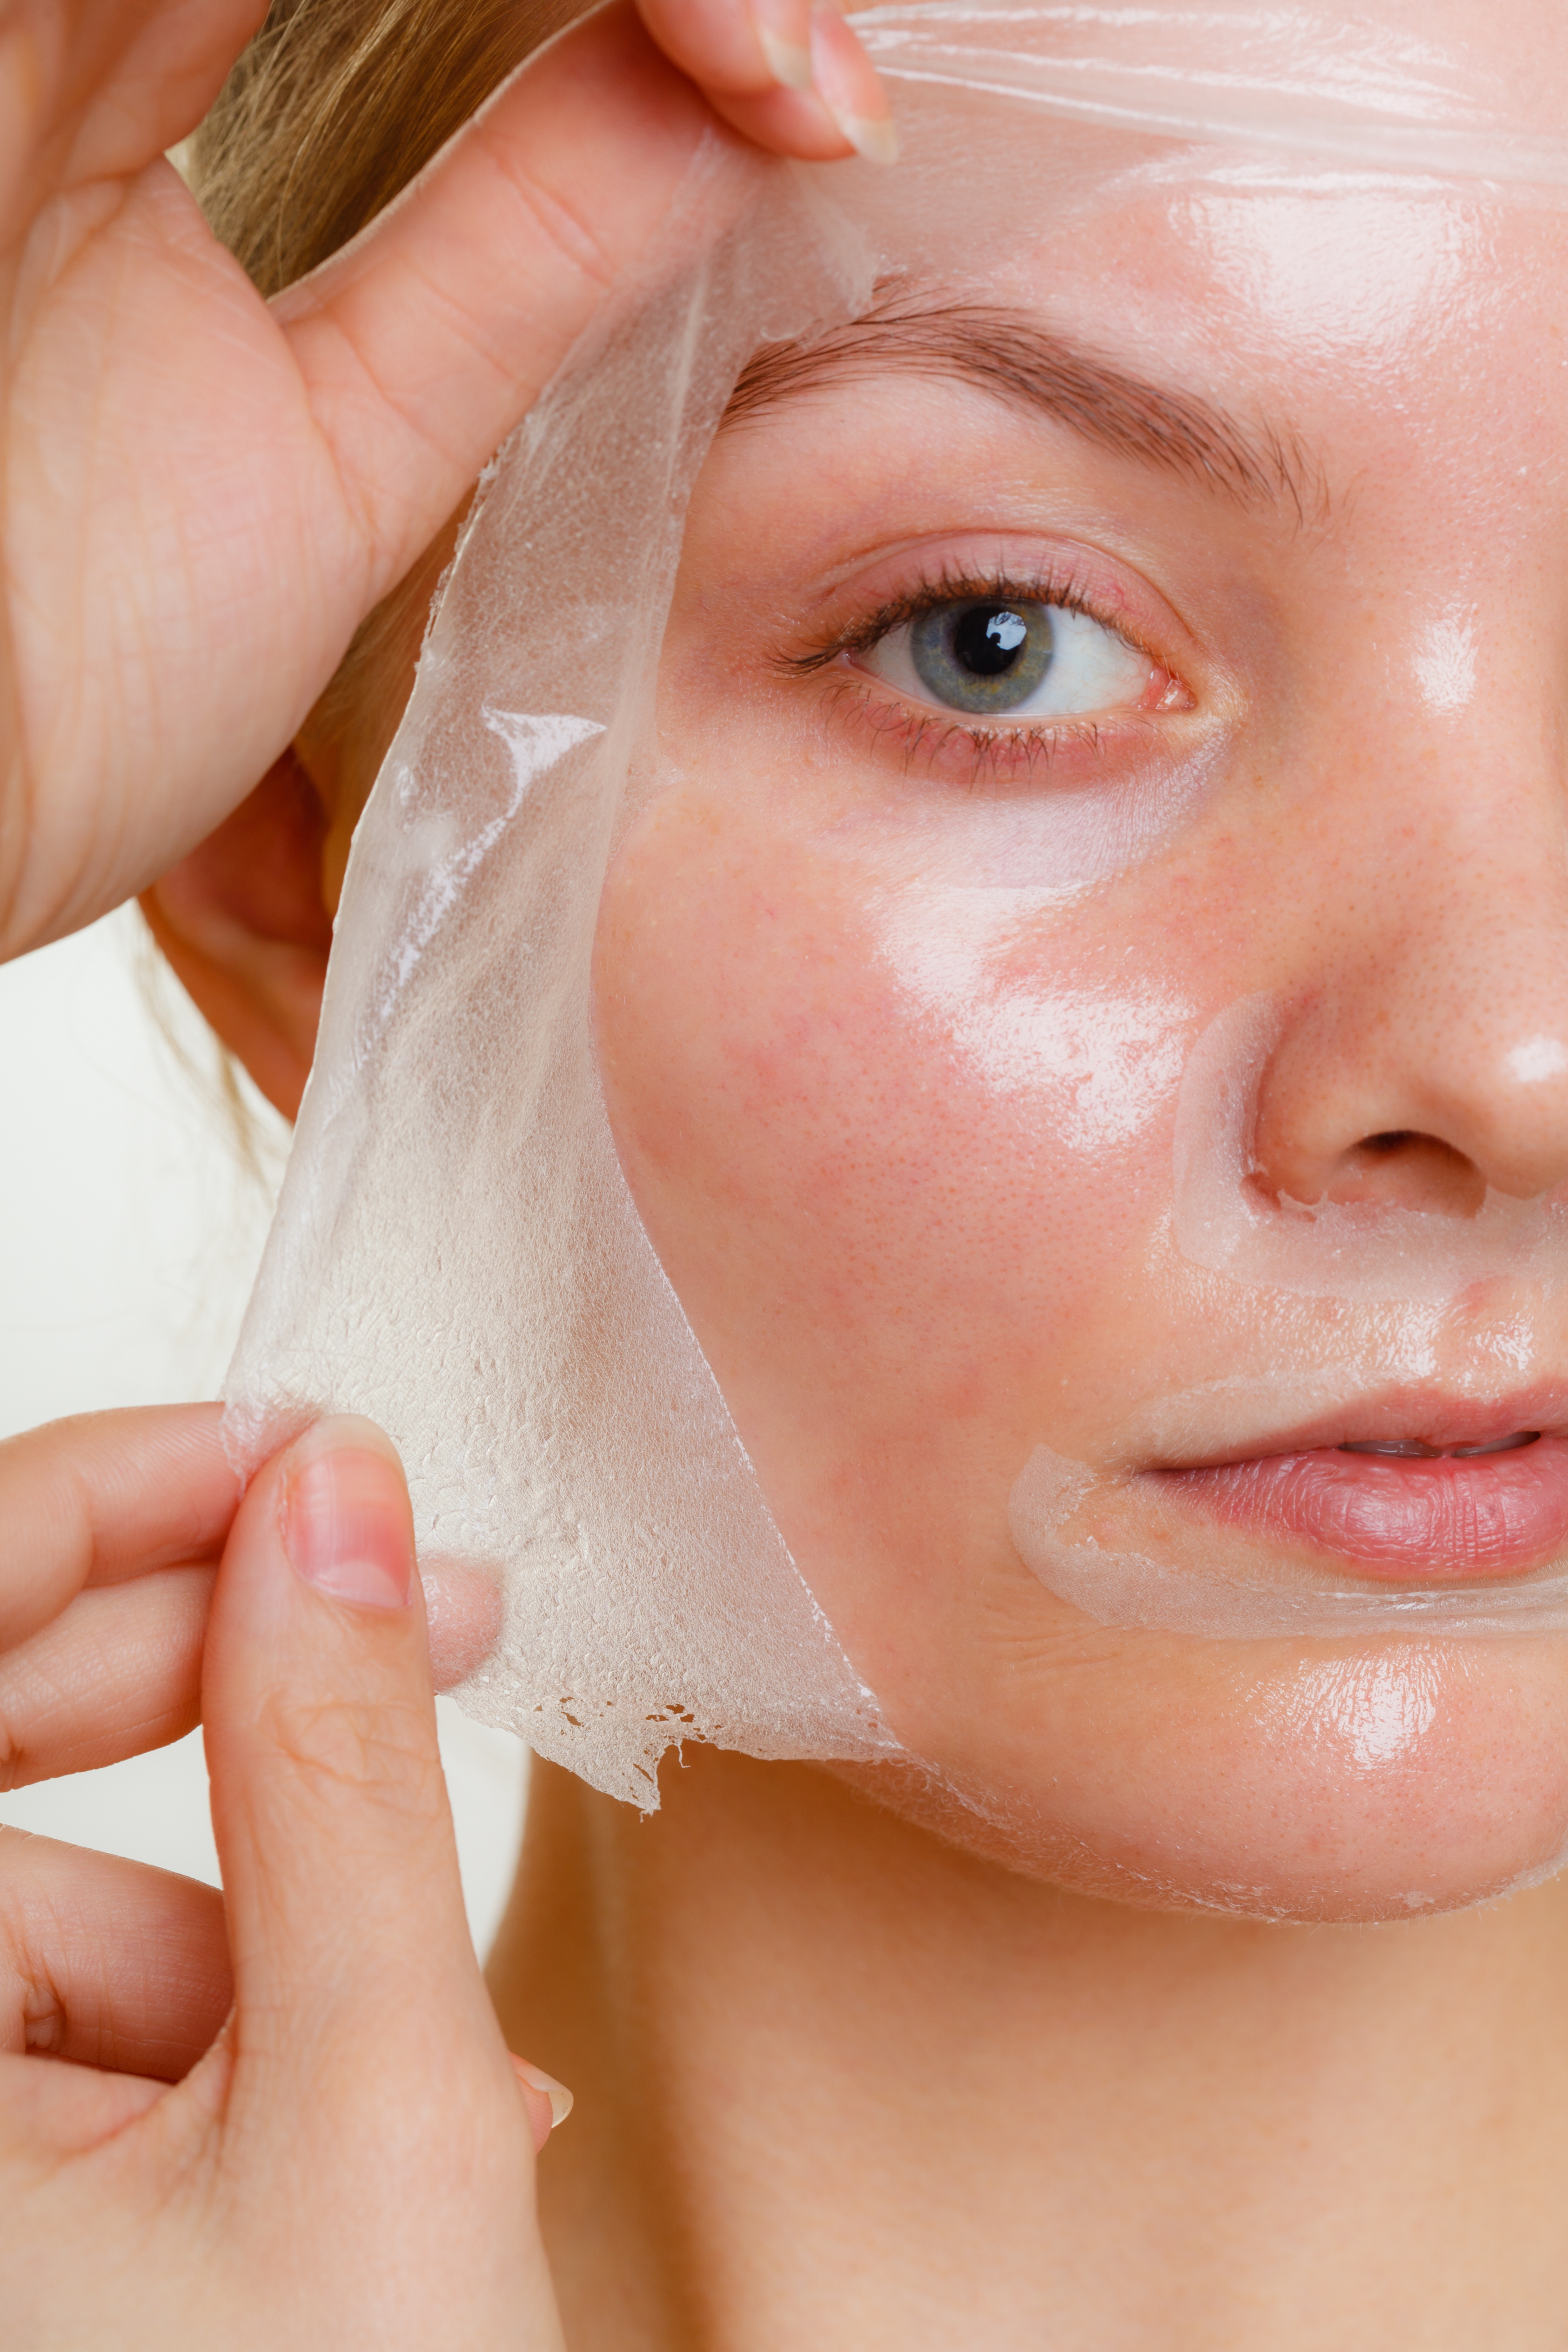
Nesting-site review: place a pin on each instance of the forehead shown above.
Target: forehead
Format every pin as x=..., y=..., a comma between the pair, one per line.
x=1306, y=342
x=1304, y=284
x=1313, y=200
x=1393, y=346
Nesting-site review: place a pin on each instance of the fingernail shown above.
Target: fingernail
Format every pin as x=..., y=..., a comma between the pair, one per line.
x=346, y=1525
x=561, y=2100
x=847, y=85
x=783, y=28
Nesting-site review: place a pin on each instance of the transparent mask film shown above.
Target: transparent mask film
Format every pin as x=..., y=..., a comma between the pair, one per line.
x=457, y=1252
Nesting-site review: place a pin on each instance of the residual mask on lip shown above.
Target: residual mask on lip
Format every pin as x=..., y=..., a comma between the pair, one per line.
x=1398, y=1282
x=456, y=1251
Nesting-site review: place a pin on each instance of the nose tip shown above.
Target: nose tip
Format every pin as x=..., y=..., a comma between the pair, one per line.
x=1525, y=1148
x=1534, y=1060
x=1346, y=1117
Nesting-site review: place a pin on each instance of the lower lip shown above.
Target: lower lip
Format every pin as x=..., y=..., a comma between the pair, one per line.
x=1406, y=1521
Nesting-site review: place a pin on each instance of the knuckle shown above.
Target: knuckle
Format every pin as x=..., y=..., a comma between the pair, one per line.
x=43, y=2016
x=33, y=2007
x=563, y=229
x=16, y=1756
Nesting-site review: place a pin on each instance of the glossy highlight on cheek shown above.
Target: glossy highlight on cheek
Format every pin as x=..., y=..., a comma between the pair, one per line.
x=1096, y=1066
x=1378, y=1710
x=1444, y=663
x=1380, y=1739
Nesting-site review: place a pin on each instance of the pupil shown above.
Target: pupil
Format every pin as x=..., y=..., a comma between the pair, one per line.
x=988, y=638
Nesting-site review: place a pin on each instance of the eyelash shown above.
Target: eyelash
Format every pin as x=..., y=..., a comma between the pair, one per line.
x=927, y=732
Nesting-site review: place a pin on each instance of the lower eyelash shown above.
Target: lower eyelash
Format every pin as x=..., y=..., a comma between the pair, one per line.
x=990, y=752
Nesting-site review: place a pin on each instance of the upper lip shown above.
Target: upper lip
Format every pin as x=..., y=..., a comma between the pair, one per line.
x=1393, y=1414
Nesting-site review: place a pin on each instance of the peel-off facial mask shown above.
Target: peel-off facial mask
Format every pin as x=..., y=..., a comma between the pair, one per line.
x=1395, y=1276
x=456, y=1251
x=1358, y=1252
x=1183, y=1591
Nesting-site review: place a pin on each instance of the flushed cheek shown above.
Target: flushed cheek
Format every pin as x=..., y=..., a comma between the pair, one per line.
x=887, y=1185
x=901, y=1174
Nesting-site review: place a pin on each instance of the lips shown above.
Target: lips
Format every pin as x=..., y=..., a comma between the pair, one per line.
x=1482, y=1503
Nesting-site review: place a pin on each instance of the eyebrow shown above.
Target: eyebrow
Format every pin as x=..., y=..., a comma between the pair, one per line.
x=1011, y=355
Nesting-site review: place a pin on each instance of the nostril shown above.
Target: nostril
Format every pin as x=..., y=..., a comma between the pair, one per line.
x=1398, y=1168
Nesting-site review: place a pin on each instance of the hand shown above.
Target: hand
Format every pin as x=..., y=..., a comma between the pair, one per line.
x=350, y=2161
x=203, y=494
x=114, y=1525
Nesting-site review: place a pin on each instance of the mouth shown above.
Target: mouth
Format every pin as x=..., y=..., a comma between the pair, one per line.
x=1412, y=1493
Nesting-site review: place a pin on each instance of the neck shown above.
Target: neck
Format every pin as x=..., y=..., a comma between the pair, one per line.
x=843, y=2086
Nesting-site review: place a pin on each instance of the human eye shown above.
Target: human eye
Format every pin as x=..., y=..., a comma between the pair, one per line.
x=989, y=666
x=996, y=656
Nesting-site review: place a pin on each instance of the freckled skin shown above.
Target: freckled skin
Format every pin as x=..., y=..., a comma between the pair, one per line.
x=911, y=1259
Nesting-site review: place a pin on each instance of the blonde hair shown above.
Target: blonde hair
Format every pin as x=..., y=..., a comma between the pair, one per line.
x=334, y=107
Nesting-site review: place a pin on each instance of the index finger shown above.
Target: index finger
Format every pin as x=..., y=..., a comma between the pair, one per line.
x=790, y=74
x=105, y=1497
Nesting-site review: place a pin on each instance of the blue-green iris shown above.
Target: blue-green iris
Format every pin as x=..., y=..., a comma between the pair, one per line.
x=979, y=656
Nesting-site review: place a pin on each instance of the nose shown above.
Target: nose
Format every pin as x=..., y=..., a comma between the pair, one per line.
x=1424, y=1055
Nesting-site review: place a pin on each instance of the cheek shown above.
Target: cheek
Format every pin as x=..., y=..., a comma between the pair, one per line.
x=910, y=1227
x=897, y=1239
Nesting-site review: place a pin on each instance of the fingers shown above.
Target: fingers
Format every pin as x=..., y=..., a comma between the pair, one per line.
x=415, y=363
x=305, y=453
x=547, y=2102
x=119, y=1674
x=363, y=2077
x=462, y=1618
x=340, y=1866
x=105, y=89
x=789, y=74
x=107, y=1962
x=106, y=1496
x=423, y=343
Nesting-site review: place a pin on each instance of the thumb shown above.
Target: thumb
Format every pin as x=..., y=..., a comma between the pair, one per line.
x=339, y=1868
x=378, y=2156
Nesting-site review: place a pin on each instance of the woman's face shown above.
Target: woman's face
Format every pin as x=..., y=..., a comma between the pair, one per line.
x=1181, y=620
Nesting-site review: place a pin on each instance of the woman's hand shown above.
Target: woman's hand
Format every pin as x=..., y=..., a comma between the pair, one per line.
x=114, y=1525
x=201, y=493
x=350, y=2161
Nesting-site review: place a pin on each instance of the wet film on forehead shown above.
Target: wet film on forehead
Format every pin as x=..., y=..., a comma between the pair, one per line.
x=457, y=1253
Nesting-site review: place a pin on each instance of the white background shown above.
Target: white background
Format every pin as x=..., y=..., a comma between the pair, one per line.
x=129, y=1229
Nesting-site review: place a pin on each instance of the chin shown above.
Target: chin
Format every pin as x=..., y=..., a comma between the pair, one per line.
x=1311, y=1782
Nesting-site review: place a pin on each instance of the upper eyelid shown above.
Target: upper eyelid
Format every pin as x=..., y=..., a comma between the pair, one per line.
x=1105, y=577
x=898, y=611
x=932, y=730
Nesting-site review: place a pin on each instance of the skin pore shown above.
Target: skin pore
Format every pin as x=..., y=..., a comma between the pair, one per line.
x=1132, y=2042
